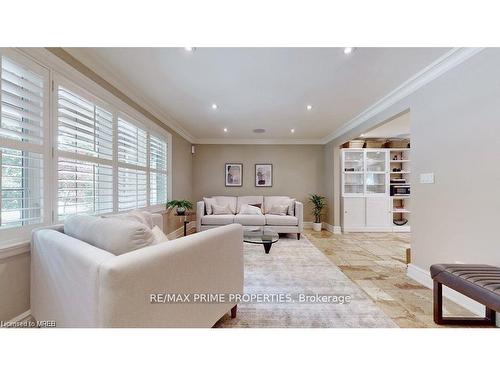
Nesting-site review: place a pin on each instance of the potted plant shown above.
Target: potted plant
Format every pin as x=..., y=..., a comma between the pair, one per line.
x=318, y=205
x=180, y=205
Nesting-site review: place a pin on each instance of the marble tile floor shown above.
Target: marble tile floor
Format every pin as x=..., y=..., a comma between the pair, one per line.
x=376, y=263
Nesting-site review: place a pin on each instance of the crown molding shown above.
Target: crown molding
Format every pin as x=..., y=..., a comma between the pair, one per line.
x=448, y=61
x=127, y=89
x=256, y=141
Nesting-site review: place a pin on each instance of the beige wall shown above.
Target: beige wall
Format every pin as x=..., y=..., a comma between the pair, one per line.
x=297, y=170
x=455, y=135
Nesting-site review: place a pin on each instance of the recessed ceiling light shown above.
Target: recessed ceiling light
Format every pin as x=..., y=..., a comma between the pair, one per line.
x=259, y=130
x=225, y=130
x=292, y=130
x=214, y=106
x=348, y=50
x=189, y=49
x=309, y=107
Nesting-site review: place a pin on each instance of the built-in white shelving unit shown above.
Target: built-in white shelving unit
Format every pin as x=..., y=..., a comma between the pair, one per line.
x=376, y=190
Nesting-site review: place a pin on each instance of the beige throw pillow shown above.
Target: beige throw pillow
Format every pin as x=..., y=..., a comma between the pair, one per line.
x=279, y=210
x=159, y=235
x=221, y=210
x=209, y=202
x=247, y=209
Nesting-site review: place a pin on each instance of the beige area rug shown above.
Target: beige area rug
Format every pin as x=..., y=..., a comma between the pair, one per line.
x=298, y=267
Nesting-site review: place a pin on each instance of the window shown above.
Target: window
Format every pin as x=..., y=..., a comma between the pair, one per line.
x=158, y=170
x=85, y=153
x=22, y=141
x=82, y=154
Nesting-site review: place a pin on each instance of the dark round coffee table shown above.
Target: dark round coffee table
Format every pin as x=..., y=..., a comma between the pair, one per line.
x=260, y=236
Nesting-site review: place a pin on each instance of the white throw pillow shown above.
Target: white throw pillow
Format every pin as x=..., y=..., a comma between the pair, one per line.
x=291, y=207
x=246, y=209
x=159, y=235
x=221, y=210
x=209, y=202
x=279, y=210
x=117, y=236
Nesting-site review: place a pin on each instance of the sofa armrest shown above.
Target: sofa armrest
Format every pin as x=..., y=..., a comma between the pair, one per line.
x=200, y=212
x=299, y=214
x=158, y=220
x=206, y=262
x=64, y=278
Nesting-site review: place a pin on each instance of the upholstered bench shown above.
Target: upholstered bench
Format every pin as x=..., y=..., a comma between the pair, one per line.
x=477, y=281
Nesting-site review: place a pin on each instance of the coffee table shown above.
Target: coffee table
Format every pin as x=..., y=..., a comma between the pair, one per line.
x=261, y=236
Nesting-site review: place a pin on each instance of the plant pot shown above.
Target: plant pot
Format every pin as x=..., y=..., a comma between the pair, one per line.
x=180, y=210
x=317, y=227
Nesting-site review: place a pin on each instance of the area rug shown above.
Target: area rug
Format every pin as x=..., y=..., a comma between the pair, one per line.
x=293, y=271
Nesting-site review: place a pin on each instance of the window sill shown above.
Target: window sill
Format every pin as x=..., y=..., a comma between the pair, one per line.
x=10, y=250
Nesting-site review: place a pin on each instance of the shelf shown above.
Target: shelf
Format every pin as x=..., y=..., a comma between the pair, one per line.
x=402, y=172
x=399, y=149
x=400, y=161
x=400, y=196
x=354, y=172
x=400, y=184
x=396, y=211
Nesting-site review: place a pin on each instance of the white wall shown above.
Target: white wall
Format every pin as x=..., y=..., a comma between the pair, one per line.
x=455, y=133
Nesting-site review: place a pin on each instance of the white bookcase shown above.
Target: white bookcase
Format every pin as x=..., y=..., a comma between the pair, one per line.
x=367, y=177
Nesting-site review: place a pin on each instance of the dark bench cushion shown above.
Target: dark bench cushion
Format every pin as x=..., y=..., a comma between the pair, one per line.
x=477, y=281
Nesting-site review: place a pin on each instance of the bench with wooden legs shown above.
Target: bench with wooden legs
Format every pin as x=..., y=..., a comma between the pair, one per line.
x=477, y=281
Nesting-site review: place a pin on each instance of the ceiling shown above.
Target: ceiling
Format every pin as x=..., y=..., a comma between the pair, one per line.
x=398, y=127
x=253, y=88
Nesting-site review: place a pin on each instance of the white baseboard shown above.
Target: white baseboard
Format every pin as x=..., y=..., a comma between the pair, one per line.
x=335, y=229
x=424, y=277
x=20, y=317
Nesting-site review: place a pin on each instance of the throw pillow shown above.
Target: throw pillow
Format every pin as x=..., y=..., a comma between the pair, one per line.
x=291, y=207
x=117, y=236
x=221, y=210
x=209, y=202
x=159, y=235
x=250, y=209
x=279, y=210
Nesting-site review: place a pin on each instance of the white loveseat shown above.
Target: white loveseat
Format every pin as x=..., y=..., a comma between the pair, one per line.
x=76, y=284
x=292, y=222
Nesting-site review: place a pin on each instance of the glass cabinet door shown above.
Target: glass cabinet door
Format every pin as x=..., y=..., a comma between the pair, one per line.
x=376, y=172
x=353, y=172
x=353, y=161
x=376, y=161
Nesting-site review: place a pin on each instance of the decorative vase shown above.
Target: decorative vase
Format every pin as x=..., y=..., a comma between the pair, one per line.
x=317, y=227
x=180, y=211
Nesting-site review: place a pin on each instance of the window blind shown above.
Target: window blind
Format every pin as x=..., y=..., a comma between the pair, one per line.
x=21, y=144
x=85, y=155
x=132, y=189
x=158, y=170
x=131, y=143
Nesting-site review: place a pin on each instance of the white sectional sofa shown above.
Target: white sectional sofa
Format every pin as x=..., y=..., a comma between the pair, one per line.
x=77, y=284
x=291, y=222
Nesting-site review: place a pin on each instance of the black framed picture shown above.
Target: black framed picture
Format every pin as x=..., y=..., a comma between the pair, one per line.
x=233, y=174
x=263, y=175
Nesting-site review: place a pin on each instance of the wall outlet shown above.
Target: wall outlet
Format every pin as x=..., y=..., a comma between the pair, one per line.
x=426, y=178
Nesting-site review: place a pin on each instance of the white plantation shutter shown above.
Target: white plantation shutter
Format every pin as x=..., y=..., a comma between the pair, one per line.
x=158, y=170
x=132, y=161
x=85, y=154
x=131, y=144
x=132, y=189
x=24, y=108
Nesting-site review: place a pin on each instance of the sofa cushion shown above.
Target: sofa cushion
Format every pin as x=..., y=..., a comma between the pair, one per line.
x=248, y=209
x=224, y=201
x=279, y=210
x=209, y=202
x=217, y=219
x=139, y=216
x=249, y=199
x=281, y=220
x=117, y=236
x=159, y=235
x=250, y=219
x=275, y=201
x=221, y=210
